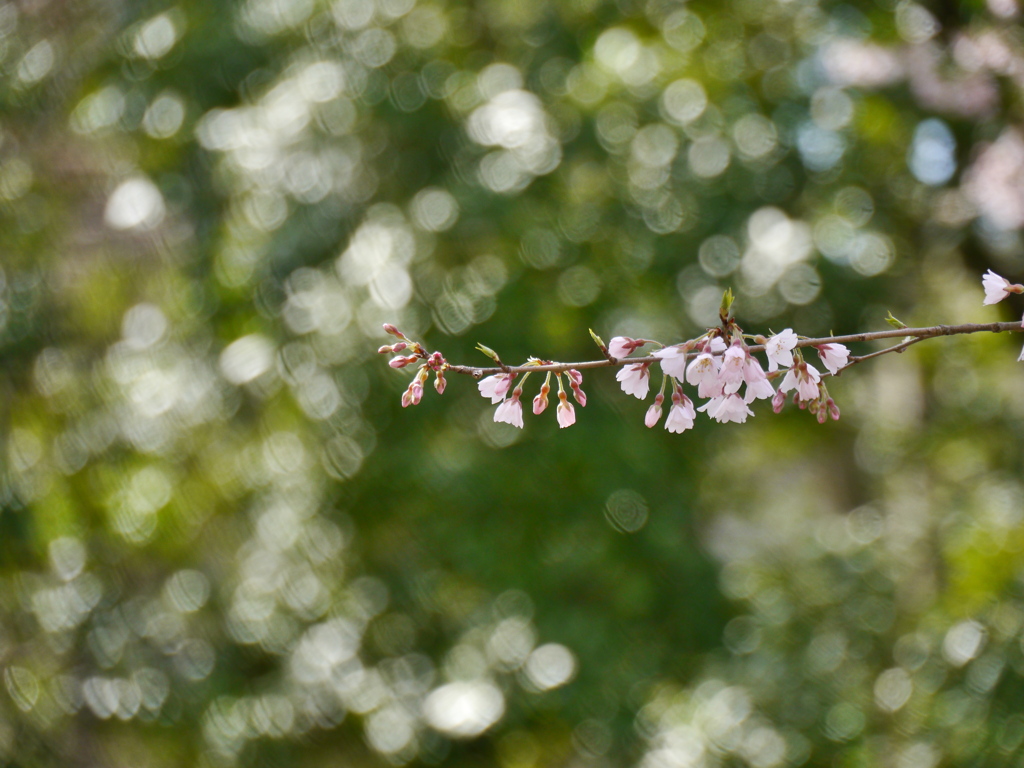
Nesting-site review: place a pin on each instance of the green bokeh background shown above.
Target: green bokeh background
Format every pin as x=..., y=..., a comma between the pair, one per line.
x=223, y=541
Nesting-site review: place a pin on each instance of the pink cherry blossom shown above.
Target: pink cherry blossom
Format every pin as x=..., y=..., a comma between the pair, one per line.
x=833, y=356
x=635, y=379
x=758, y=386
x=717, y=345
x=654, y=412
x=730, y=374
x=623, y=346
x=727, y=408
x=511, y=411
x=703, y=373
x=996, y=287
x=673, y=360
x=681, y=415
x=565, y=413
x=779, y=349
x=496, y=387
x=804, y=379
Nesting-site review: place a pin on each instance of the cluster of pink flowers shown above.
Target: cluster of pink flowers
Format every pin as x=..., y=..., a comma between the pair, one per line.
x=998, y=288
x=720, y=364
x=727, y=375
x=719, y=371
x=510, y=409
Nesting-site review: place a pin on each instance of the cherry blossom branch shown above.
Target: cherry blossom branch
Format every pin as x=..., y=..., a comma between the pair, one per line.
x=719, y=363
x=918, y=334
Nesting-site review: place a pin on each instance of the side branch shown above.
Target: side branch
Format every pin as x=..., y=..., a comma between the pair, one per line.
x=916, y=334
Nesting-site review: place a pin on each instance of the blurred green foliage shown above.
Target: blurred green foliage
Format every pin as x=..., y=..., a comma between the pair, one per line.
x=223, y=542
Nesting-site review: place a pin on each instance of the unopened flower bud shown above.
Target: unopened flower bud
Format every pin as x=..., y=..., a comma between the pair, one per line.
x=385, y=350
x=833, y=409
x=540, y=402
x=416, y=392
x=822, y=415
x=575, y=379
x=440, y=382
x=778, y=401
x=398, y=346
x=407, y=398
x=654, y=412
x=389, y=328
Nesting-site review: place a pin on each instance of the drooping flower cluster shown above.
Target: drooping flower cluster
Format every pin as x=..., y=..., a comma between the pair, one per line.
x=510, y=410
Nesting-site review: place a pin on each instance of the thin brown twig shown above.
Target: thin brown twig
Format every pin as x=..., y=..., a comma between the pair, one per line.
x=897, y=348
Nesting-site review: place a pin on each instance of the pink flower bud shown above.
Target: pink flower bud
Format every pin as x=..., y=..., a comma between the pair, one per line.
x=540, y=402
x=407, y=398
x=822, y=415
x=398, y=346
x=385, y=350
x=833, y=409
x=401, y=362
x=389, y=328
x=575, y=379
x=440, y=382
x=654, y=412
x=416, y=392
x=778, y=401
x=580, y=395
